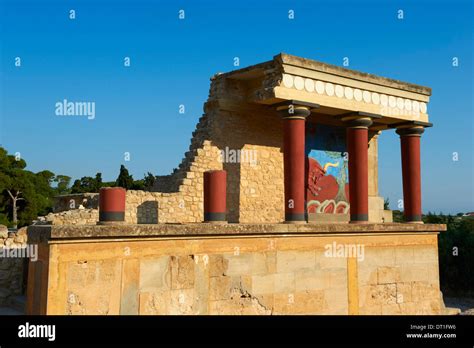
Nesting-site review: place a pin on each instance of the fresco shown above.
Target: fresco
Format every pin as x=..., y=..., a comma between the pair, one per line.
x=327, y=170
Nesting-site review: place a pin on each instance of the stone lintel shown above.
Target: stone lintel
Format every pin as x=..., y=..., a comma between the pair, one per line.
x=409, y=124
x=360, y=114
x=310, y=64
x=50, y=233
x=310, y=106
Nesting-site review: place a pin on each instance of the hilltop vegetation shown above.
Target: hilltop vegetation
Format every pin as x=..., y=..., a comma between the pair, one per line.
x=25, y=195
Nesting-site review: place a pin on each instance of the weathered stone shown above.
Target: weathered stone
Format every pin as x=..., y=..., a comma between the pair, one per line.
x=217, y=265
x=182, y=272
x=388, y=275
x=3, y=232
x=155, y=274
x=181, y=301
x=220, y=288
x=308, y=279
x=290, y=261
x=154, y=303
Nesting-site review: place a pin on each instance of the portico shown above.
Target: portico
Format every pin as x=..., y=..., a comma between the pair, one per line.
x=306, y=92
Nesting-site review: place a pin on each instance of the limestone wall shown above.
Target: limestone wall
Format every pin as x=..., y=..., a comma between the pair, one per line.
x=74, y=201
x=282, y=273
x=11, y=268
x=74, y=217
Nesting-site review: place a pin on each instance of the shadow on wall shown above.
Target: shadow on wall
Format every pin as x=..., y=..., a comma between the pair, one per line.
x=147, y=213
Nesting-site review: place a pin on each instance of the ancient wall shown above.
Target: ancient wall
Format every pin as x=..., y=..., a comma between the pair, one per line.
x=292, y=270
x=74, y=217
x=74, y=201
x=11, y=267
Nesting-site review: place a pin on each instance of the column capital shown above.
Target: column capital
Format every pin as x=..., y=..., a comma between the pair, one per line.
x=294, y=109
x=411, y=131
x=359, y=119
x=411, y=128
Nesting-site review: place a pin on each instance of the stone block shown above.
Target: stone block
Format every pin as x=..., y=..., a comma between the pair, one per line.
x=370, y=295
x=217, y=265
x=94, y=287
x=425, y=254
x=220, y=288
x=335, y=278
x=154, y=303
x=424, y=291
x=404, y=255
x=391, y=309
x=284, y=282
x=155, y=274
x=301, y=302
x=246, y=264
x=293, y=260
x=271, y=262
x=182, y=272
x=308, y=279
x=331, y=262
x=225, y=307
x=263, y=284
x=380, y=256
x=181, y=301
x=367, y=274
x=372, y=309
x=404, y=292
x=336, y=301
x=388, y=275
x=419, y=272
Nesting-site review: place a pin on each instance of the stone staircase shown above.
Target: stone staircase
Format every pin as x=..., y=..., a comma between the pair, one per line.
x=171, y=183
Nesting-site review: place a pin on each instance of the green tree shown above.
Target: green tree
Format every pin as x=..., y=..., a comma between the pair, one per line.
x=98, y=182
x=456, y=257
x=149, y=181
x=124, y=179
x=62, y=184
x=23, y=194
x=87, y=184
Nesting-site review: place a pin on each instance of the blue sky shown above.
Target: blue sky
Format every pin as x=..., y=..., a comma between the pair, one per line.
x=172, y=61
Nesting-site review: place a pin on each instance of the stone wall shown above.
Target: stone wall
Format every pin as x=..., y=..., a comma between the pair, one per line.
x=74, y=217
x=11, y=268
x=254, y=269
x=74, y=201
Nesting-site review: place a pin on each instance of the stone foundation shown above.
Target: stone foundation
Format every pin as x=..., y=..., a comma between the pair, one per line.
x=235, y=269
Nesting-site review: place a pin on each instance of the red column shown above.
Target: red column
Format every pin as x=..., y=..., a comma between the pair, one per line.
x=112, y=205
x=357, y=147
x=215, y=195
x=410, y=149
x=294, y=158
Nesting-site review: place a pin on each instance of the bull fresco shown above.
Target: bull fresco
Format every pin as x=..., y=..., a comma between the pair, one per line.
x=327, y=170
